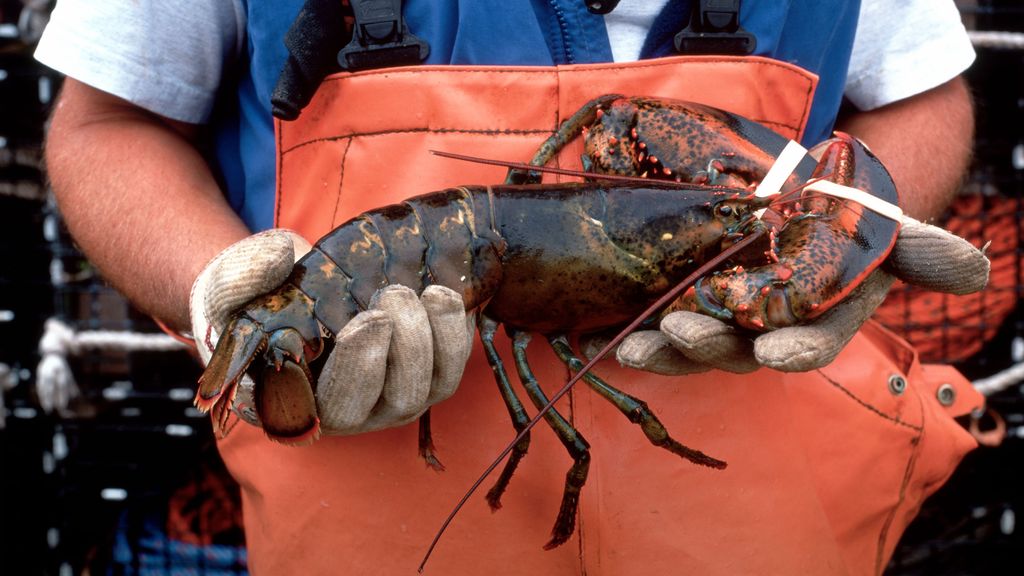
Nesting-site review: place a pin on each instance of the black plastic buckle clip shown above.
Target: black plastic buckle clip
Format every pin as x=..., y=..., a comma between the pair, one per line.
x=714, y=28
x=381, y=38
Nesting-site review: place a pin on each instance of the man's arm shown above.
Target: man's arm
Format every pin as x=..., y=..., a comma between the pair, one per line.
x=925, y=141
x=138, y=197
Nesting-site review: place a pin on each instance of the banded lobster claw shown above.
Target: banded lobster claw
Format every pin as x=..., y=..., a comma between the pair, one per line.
x=283, y=392
x=826, y=248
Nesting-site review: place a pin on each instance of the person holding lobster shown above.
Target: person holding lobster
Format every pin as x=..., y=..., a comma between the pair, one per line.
x=189, y=135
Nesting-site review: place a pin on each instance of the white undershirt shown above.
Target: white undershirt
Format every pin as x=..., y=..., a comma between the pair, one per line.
x=901, y=48
x=168, y=57
x=905, y=48
x=628, y=25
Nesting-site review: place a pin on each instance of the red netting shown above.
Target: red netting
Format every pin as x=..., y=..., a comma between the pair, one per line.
x=946, y=328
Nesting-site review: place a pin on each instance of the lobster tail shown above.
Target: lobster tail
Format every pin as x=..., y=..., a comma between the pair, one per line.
x=286, y=404
x=241, y=341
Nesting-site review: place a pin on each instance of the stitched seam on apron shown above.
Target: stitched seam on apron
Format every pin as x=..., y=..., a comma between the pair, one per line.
x=781, y=124
x=871, y=408
x=491, y=131
x=280, y=176
x=542, y=70
x=808, y=103
x=482, y=131
x=341, y=184
x=559, y=70
x=907, y=474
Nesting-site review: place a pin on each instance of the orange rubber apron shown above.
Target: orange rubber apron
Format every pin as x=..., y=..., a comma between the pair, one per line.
x=825, y=468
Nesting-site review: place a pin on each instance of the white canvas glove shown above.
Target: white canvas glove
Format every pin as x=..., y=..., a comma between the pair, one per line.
x=389, y=364
x=688, y=342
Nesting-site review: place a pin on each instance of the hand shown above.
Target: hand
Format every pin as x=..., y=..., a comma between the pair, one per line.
x=389, y=363
x=688, y=342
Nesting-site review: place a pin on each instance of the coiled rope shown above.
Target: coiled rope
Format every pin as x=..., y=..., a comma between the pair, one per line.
x=55, y=383
x=1000, y=380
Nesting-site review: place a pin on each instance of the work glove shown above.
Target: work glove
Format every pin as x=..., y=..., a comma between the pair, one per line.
x=389, y=363
x=688, y=342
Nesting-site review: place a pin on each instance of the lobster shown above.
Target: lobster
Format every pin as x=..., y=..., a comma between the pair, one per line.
x=541, y=258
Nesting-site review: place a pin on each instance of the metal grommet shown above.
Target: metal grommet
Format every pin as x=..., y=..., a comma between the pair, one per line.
x=946, y=394
x=897, y=384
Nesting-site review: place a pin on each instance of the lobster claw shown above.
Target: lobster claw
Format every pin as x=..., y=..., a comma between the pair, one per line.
x=237, y=347
x=824, y=251
x=759, y=300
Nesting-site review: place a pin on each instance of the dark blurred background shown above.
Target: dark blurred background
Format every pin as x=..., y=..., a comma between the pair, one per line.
x=105, y=467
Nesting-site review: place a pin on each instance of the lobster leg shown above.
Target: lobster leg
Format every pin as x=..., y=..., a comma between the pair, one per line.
x=573, y=441
x=426, y=442
x=566, y=133
x=635, y=409
x=516, y=411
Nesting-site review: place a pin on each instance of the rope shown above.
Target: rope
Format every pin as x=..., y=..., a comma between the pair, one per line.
x=1001, y=380
x=8, y=380
x=998, y=40
x=55, y=383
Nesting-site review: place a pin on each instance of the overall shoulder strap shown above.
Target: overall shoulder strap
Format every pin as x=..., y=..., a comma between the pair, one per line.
x=320, y=42
x=380, y=38
x=714, y=28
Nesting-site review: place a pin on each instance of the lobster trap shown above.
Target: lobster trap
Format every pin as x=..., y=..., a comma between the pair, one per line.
x=105, y=467
x=115, y=471
x=140, y=488
x=970, y=525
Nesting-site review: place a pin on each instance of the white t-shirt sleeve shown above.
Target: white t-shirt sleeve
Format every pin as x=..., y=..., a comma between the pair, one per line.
x=628, y=25
x=904, y=48
x=166, y=57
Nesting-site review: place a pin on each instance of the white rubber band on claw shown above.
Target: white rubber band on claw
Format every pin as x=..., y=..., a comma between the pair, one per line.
x=784, y=165
x=873, y=203
x=790, y=158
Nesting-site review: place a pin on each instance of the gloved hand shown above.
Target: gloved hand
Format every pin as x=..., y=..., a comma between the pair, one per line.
x=389, y=364
x=688, y=342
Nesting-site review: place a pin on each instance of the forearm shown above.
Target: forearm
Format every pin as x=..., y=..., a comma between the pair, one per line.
x=137, y=197
x=925, y=141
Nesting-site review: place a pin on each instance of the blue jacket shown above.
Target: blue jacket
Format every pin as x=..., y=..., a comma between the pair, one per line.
x=814, y=34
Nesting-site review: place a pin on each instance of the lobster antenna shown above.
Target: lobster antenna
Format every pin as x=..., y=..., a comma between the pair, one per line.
x=668, y=297
x=566, y=171
x=786, y=197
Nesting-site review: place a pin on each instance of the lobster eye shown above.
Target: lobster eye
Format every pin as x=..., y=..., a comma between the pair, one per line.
x=725, y=210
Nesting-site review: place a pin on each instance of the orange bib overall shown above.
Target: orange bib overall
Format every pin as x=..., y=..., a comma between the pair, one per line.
x=825, y=470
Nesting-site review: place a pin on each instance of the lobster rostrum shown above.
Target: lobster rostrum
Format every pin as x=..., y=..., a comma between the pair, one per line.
x=542, y=258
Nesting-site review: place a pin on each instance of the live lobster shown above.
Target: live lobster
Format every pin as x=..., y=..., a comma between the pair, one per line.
x=541, y=258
